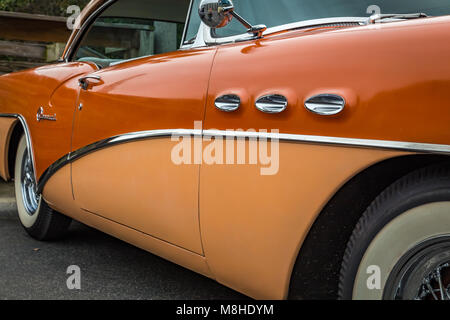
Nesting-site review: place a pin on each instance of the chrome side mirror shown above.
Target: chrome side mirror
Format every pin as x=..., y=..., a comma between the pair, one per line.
x=216, y=13
x=219, y=13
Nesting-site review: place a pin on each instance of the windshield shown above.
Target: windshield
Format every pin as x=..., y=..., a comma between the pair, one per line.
x=274, y=13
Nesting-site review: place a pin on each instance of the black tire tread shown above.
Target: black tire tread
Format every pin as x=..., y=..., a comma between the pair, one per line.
x=50, y=224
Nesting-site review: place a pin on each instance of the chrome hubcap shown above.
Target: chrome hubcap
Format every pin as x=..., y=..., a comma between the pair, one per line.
x=423, y=273
x=28, y=183
x=436, y=286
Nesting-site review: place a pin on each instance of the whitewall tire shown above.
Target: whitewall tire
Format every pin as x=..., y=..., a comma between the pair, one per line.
x=37, y=218
x=400, y=248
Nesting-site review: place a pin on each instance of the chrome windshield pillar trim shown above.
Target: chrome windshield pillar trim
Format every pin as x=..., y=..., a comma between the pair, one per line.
x=319, y=140
x=200, y=39
x=26, y=130
x=186, y=24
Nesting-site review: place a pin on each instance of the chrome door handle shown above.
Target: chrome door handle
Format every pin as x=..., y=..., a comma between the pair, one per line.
x=228, y=103
x=84, y=83
x=325, y=104
x=273, y=103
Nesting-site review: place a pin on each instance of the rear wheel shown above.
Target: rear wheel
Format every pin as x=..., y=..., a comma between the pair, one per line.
x=400, y=248
x=39, y=220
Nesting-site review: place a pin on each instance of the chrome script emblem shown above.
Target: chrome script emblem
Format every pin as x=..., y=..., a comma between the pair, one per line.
x=41, y=116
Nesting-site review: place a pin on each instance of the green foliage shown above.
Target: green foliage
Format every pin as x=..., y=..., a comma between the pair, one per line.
x=48, y=7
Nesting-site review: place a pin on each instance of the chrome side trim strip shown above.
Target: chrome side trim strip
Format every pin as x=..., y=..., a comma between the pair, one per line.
x=109, y=142
x=136, y=136
x=130, y=137
x=26, y=130
x=350, y=142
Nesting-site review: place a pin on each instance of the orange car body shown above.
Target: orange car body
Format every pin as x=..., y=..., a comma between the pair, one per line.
x=228, y=222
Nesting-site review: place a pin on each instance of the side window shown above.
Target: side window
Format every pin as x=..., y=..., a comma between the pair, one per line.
x=193, y=24
x=128, y=30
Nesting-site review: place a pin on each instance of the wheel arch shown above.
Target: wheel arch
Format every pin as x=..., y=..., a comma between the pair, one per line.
x=13, y=145
x=8, y=127
x=316, y=270
x=12, y=127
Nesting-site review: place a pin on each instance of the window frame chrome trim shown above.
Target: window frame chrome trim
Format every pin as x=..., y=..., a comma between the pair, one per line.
x=204, y=38
x=209, y=40
x=76, y=41
x=186, y=25
x=310, y=139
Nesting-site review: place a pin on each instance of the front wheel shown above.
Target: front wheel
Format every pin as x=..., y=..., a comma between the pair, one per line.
x=400, y=248
x=38, y=219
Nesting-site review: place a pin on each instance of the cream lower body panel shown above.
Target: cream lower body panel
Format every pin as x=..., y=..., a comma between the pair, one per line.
x=137, y=184
x=252, y=225
x=58, y=194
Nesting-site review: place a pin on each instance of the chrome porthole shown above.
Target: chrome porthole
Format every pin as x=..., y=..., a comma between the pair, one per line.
x=325, y=104
x=423, y=273
x=272, y=103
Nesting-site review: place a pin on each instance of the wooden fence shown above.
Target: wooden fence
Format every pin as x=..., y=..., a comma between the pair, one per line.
x=28, y=40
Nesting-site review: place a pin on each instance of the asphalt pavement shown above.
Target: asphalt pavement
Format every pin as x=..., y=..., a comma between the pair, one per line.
x=109, y=268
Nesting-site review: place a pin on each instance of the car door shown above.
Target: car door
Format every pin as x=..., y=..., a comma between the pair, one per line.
x=123, y=128
x=47, y=91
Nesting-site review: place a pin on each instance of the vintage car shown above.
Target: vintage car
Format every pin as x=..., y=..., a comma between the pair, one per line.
x=348, y=107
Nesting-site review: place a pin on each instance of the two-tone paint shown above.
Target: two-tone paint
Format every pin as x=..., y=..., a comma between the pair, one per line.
x=108, y=163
